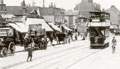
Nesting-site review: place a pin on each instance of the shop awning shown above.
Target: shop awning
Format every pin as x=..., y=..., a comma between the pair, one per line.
x=19, y=27
x=38, y=21
x=65, y=27
x=23, y=27
x=55, y=27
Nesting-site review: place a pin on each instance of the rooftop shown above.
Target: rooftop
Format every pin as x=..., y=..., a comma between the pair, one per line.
x=72, y=12
x=19, y=10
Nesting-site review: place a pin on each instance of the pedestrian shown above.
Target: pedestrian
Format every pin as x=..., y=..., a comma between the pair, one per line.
x=68, y=38
x=45, y=42
x=76, y=35
x=30, y=50
x=83, y=36
x=113, y=44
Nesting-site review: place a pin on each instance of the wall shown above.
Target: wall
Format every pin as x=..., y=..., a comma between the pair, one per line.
x=114, y=15
x=49, y=18
x=71, y=21
x=56, y=13
x=85, y=7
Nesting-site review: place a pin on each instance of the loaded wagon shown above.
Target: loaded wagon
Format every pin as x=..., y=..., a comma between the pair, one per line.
x=38, y=35
x=8, y=40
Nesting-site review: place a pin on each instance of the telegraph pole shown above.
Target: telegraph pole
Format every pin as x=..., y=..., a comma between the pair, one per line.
x=43, y=3
x=33, y=3
x=1, y=2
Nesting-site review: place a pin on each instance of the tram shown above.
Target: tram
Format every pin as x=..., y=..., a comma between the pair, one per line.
x=98, y=27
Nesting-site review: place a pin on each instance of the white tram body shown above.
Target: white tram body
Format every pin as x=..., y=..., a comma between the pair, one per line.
x=98, y=27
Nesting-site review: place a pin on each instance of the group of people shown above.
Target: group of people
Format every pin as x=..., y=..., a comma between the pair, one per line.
x=72, y=36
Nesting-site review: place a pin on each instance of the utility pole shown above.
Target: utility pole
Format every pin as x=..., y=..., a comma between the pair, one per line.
x=33, y=3
x=1, y=2
x=43, y=3
x=3, y=7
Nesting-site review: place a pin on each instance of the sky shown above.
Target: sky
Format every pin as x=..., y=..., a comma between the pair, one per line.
x=65, y=4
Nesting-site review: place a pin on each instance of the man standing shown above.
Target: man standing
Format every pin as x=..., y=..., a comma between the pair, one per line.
x=113, y=44
x=30, y=50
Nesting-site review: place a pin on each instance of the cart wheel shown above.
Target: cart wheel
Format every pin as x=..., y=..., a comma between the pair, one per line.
x=11, y=48
x=4, y=51
x=38, y=46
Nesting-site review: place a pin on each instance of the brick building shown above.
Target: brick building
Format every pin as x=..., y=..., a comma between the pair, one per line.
x=50, y=14
x=114, y=15
x=86, y=6
x=53, y=14
x=70, y=18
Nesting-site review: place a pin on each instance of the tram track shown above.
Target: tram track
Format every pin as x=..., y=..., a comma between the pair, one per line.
x=81, y=59
x=64, y=58
x=16, y=64
x=56, y=57
x=78, y=46
x=75, y=62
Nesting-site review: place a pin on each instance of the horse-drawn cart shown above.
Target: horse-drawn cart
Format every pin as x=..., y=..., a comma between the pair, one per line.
x=7, y=41
x=38, y=35
x=61, y=37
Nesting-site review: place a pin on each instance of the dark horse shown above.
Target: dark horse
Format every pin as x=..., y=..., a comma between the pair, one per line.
x=61, y=37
